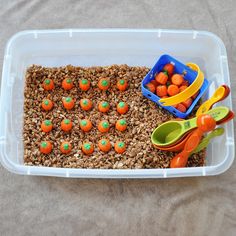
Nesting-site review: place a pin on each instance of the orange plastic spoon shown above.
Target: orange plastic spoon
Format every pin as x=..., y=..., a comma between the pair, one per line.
x=229, y=117
x=205, y=123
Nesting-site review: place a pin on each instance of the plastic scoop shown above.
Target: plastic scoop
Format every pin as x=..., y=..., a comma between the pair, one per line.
x=179, y=144
x=205, y=141
x=175, y=147
x=189, y=91
x=171, y=131
x=205, y=123
x=216, y=97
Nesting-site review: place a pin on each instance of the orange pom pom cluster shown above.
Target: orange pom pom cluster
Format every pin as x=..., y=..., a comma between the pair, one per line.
x=167, y=83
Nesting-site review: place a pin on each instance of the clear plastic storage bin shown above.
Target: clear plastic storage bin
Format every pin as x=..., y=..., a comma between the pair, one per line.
x=99, y=47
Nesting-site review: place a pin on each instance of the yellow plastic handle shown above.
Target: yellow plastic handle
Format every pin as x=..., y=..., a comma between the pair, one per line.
x=188, y=92
x=216, y=97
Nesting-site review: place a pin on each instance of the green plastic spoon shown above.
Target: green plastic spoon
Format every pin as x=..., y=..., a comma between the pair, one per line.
x=206, y=140
x=170, y=131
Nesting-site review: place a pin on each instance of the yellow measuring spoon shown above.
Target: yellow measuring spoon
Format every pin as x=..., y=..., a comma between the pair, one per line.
x=216, y=97
x=171, y=131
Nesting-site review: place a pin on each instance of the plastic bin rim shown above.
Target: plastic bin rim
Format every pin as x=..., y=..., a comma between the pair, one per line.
x=113, y=30
x=117, y=173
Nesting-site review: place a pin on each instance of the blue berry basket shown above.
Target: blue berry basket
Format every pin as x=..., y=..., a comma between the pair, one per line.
x=180, y=68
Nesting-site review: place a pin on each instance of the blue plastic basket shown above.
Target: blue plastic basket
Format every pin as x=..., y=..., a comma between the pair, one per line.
x=180, y=68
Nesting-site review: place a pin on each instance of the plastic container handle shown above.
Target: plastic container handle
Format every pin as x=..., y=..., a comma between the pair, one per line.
x=187, y=93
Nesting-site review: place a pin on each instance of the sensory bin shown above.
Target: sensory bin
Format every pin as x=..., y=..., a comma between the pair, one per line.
x=95, y=117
